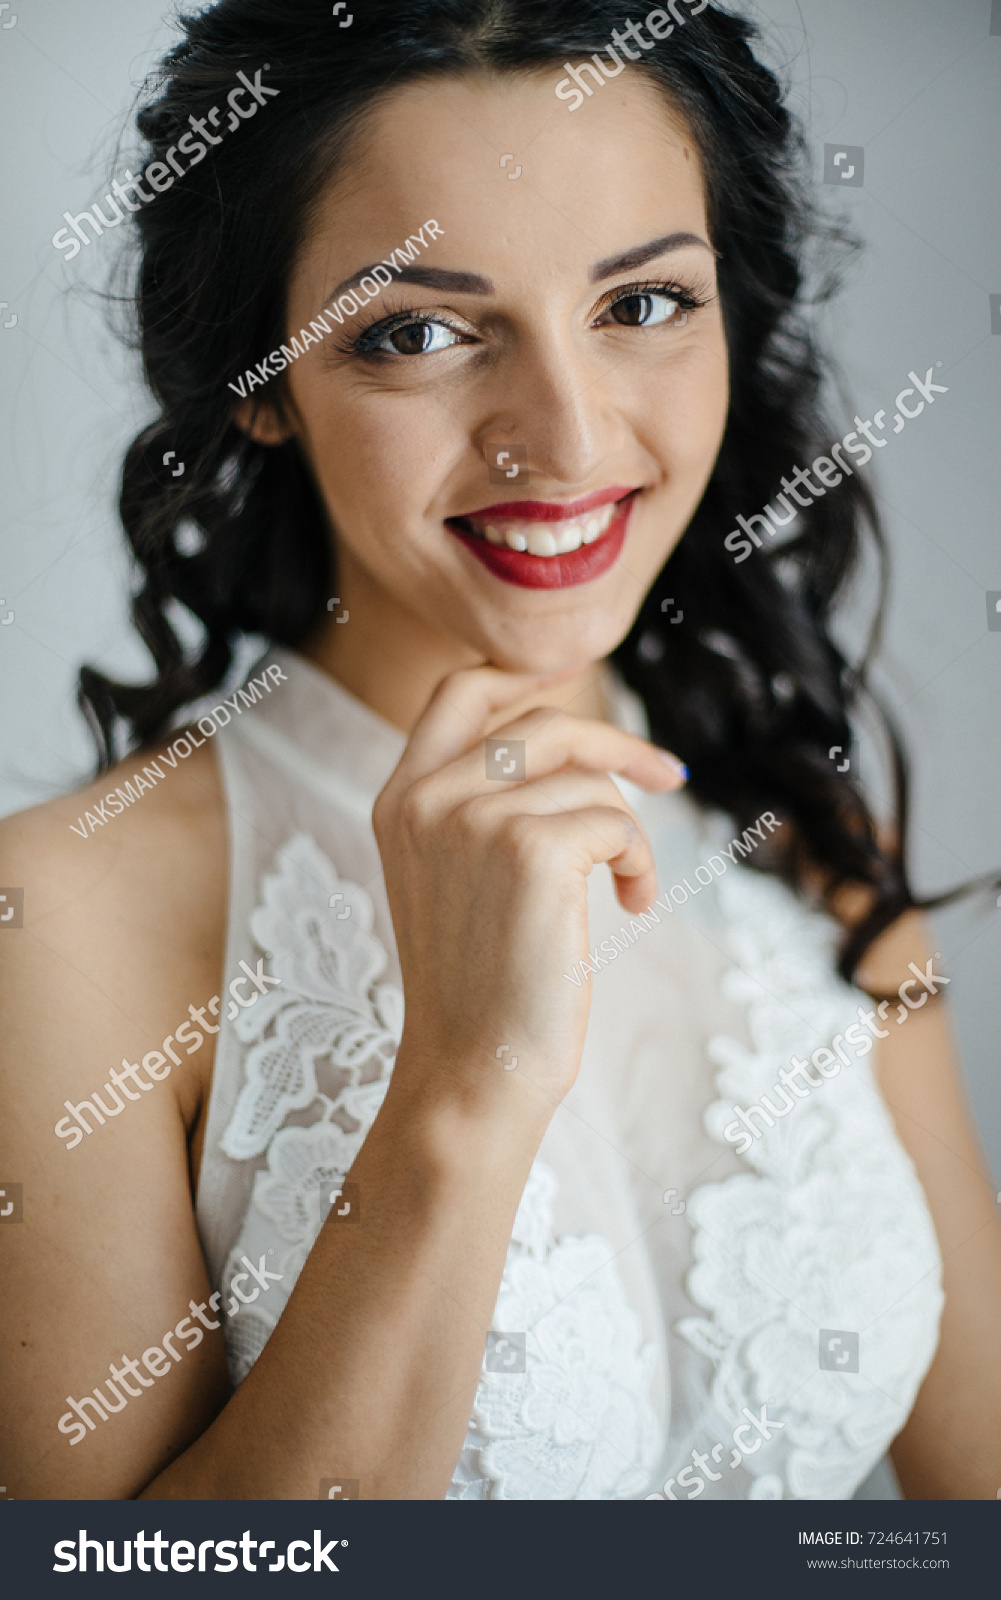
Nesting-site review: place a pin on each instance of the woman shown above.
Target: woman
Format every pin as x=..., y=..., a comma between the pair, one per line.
x=602, y=1232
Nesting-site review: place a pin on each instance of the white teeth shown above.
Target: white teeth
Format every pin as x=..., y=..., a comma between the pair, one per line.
x=541, y=540
x=596, y=524
x=568, y=538
x=547, y=539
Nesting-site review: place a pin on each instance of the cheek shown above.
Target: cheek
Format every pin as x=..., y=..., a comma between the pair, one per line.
x=370, y=456
x=685, y=417
x=377, y=467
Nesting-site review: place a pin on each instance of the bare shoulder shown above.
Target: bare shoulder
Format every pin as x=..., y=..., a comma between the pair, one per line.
x=122, y=890
x=120, y=929
x=104, y=1074
x=148, y=805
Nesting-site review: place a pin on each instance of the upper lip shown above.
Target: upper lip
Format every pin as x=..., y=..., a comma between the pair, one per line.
x=551, y=510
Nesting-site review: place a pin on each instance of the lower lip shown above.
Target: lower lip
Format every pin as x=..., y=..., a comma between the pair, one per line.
x=590, y=561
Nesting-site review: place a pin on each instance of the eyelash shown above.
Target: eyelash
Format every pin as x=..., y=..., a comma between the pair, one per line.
x=365, y=344
x=685, y=299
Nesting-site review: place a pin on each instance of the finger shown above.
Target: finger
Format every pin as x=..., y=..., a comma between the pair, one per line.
x=459, y=712
x=546, y=741
x=576, y=793
x=550, y=797
x=597, y=834
x=554, y=740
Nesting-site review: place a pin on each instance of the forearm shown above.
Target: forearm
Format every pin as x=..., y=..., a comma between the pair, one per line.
x=372, y=1369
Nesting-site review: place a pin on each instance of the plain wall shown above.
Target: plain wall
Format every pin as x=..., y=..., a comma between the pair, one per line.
x=914, y=82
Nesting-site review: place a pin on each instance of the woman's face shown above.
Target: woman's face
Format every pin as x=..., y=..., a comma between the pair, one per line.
x=565, y=313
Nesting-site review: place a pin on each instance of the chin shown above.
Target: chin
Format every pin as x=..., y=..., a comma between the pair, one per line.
x=544, y=646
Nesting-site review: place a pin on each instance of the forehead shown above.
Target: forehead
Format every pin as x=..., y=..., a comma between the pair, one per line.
x=621, y=169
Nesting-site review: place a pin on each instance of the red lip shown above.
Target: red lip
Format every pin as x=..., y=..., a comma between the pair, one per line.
x=552, y=510
x=553, y=572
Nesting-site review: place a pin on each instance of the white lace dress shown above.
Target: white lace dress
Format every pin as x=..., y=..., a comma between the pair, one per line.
x=663, y=1289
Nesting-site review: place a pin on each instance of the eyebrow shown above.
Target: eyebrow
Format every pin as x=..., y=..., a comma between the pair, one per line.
x=474, y=283
x=640, y=254
x=427, y=277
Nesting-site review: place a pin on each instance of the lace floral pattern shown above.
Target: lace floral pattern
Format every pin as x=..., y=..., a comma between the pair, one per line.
x=304, y=1164
x=329, y=1011
x=830, y=1230
x=329, y=1006
x=577, y=1423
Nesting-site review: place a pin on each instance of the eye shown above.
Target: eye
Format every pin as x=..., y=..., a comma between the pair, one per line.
x=413, y=339
x=647, y=310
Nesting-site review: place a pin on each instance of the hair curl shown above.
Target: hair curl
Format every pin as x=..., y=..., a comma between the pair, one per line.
x=752, y=692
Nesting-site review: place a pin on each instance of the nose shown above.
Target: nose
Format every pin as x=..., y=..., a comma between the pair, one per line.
x=555, y=403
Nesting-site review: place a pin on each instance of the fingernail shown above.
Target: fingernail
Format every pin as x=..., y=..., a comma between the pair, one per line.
x=674, y=763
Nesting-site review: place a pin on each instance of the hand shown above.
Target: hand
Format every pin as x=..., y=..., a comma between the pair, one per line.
x=487, y=882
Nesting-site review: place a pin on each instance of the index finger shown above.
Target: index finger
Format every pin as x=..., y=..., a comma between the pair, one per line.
x=459, y=712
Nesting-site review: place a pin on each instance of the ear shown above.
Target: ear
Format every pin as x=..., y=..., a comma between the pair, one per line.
x=262, y=423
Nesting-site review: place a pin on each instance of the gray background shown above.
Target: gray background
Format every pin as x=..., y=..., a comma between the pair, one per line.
x=914, y=82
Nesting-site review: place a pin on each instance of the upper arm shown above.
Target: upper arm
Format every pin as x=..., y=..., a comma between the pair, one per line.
x=951, y=1445
x=119, y=937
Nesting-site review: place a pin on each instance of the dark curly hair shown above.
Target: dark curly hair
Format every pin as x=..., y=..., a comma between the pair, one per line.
x=752, y=692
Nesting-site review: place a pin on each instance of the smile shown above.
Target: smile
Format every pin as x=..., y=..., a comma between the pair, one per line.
x=543, y=545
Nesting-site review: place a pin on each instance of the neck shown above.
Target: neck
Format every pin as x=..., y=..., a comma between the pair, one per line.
x=393, y=661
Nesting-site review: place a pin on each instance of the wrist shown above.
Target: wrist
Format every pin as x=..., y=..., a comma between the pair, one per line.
x=467, y=1115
